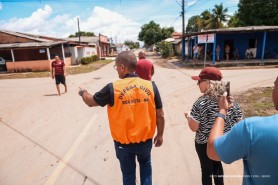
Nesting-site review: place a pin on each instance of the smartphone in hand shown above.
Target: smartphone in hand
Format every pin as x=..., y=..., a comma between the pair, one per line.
x=228, y=89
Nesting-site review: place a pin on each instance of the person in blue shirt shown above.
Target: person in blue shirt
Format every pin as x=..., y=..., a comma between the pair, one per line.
x=254, y=140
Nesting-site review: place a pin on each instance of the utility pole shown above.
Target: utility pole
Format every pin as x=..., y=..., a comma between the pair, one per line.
x=183, y=39
x=78, y=29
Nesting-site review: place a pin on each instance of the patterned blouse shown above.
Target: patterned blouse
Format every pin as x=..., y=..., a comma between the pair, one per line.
x=203, y=111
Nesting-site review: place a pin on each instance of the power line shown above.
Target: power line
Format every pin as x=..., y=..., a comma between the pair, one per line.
x=178, y=3
x=191, y=5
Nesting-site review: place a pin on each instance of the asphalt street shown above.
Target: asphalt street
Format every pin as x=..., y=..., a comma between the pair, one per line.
x=50, y=140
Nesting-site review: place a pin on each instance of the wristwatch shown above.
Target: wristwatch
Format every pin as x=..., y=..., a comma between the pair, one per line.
x=220, y=115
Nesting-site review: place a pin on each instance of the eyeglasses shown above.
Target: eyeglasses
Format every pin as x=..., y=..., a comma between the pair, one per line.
x=199, y=81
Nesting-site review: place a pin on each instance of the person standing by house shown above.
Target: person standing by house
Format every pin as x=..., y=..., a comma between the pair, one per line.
x=202, y=117
x=196, y=51
x=59, y=72
x=253, y=139
x=217, y=53
x=227, y=52
x=134, y=111
x=201, y=52
x=144, y=67
x=236, y=54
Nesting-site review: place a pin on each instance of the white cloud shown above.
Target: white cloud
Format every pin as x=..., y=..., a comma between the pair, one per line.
x=34, y=22
x=101, y=20
x=111, y=24
x=191, y=3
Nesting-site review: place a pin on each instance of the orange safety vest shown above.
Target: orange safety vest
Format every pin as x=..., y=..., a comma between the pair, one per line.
x=132, y=119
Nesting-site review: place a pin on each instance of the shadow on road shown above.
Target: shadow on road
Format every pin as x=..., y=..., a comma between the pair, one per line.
x=51, y=95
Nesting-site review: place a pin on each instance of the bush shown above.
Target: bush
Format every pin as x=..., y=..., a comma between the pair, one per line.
x=88, y=60
x=166, y=49
x=95, y=58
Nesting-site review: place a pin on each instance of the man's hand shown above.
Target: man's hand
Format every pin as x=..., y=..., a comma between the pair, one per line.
x=193, y=124
x=158, y=140
x=81, y=91
x=187, y=116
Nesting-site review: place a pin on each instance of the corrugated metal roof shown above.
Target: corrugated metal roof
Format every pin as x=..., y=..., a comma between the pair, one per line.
x=30, y=44
x=237, y=29
x=84, y=39
x=24, y=36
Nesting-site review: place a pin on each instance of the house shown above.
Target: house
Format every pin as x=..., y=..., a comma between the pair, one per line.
x=112, y=50
x=176, y=40
x=88, y=46
x=260, y=40
x=27, y=52
x=84, y=48
x=177, y=35
x=121, y=47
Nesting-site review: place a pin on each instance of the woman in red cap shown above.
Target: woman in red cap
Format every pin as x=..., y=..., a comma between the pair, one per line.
x=202, y=117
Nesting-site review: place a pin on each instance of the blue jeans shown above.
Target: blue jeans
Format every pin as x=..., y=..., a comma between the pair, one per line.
x=126, y=154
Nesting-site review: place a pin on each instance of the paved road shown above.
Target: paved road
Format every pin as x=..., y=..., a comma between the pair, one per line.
x=47, y=140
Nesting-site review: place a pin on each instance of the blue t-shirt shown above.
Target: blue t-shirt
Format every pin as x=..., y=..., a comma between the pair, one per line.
x=255, y=140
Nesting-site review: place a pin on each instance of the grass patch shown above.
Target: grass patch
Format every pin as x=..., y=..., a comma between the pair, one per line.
x=72, y=70
x=87, y=68
x=257, y=102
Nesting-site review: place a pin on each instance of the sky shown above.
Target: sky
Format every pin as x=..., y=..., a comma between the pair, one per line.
x=120, y=20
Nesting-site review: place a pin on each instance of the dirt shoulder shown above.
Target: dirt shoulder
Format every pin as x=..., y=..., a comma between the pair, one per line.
x=254, y=101
x=173, y=63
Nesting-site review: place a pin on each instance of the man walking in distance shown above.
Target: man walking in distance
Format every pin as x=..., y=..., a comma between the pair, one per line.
x=58, y=71
x=135, y=111
x=253, y=139
x=144, y=67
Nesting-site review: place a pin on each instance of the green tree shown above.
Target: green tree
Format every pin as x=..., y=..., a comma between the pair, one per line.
x=167, y=32
x=166, y=49
x=151, y=33
x=218, y=16
x=203, y=20
x=235, y=21
x=192, y=25
x=131, y=44
x=84, y=34
x=258, y=12
x=209, y=20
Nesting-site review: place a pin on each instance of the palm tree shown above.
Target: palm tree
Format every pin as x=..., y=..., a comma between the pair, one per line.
x=203, y=20
x=219, y=15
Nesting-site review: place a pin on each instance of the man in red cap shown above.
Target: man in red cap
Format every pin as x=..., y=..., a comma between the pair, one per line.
x=201, y=119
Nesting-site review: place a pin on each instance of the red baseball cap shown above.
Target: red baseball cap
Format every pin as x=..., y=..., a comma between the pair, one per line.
x=209, y=73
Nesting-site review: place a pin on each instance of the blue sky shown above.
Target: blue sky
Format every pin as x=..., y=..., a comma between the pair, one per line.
x=119, y=19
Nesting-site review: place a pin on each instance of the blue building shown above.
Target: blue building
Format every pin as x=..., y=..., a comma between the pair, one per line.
x=262, y=41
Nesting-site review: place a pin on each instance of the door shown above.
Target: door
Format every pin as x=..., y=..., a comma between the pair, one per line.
x=230, y=43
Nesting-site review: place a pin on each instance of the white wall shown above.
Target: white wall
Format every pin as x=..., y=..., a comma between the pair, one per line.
x=89, y=51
